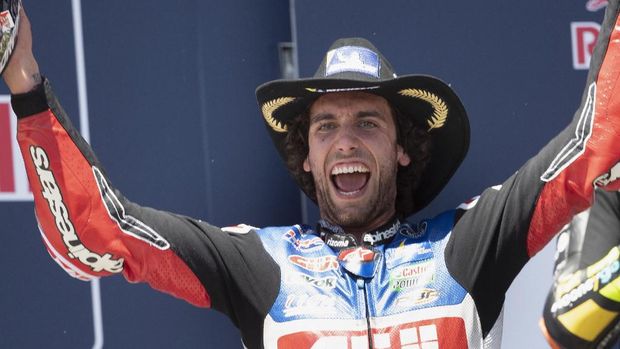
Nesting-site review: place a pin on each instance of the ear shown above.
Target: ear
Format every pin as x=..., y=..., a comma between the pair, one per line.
x=402, y=157
x=306, y=165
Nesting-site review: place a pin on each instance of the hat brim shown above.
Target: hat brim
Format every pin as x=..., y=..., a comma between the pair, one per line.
x=430, y=103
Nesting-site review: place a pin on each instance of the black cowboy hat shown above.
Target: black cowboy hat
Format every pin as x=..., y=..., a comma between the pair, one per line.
x=354, y=64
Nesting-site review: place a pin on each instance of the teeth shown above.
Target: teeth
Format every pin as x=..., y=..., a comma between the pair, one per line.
x=349, y=169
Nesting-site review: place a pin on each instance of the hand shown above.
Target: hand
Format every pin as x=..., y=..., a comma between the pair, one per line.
x=22, y=72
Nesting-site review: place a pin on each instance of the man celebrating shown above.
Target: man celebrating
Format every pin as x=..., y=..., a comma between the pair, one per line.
x=370, y=148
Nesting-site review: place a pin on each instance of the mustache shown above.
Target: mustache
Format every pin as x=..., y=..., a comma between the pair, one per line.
x=357, y=154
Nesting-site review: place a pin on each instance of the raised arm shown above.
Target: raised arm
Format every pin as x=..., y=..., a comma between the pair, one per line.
x=91, y=230
x=82, y=220
x=510, y=223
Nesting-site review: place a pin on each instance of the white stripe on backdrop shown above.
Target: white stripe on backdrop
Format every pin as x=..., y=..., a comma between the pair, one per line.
x=95, y=289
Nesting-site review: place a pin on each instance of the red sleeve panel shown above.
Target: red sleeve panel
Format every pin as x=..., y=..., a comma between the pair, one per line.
x=91, y=230
x=588, y=159
x=83, y=221
x=509, y=223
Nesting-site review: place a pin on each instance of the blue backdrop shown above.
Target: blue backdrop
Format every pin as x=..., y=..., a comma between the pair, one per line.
x=174, y=120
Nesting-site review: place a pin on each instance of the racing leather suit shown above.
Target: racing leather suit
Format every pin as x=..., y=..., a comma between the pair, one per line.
x=439, y=283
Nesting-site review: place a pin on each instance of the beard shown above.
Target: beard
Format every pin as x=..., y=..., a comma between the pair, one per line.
x=375, y=207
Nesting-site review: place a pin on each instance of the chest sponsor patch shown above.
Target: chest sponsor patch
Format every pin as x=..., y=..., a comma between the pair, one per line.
x=340, y=241
x=315, y=264
x=303, y=243
x=437, y=333
x=360, y=261
x=327, y=282
x=414, y=275
x=409, y=251
x=417, y=297
x=309, y=304
x=356, y=255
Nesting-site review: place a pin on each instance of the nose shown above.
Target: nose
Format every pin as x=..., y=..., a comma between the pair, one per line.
x=346, y=141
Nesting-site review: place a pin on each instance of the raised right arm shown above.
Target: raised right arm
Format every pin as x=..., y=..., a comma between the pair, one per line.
x=92, y=230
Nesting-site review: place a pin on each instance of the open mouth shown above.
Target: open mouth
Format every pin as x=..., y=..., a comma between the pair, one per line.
x=350, y=179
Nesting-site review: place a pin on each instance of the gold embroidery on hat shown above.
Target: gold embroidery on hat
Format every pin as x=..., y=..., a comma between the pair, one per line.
x=270, y=107
x=440, y=109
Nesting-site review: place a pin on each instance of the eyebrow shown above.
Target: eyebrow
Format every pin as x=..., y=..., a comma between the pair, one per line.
x=365, y=113
x=330, y=116
x=321, y=117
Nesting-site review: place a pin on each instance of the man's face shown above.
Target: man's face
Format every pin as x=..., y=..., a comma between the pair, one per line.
x=354, y=157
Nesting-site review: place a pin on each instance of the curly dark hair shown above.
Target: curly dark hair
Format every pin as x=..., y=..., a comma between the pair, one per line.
x=413, y=138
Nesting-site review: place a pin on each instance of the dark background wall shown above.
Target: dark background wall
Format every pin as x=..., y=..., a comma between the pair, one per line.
x=173, y=117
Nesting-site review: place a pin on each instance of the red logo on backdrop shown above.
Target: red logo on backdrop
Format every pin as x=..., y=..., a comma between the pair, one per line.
x=583, y=38
x=439, y=333
x=13, y=183
x=595, y=5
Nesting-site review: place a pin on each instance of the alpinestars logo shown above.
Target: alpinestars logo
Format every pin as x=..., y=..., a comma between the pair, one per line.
x=383, y=235
x=51, y=193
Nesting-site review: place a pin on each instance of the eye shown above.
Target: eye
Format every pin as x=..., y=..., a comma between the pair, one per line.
x=367, y=124
x=326, y=126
